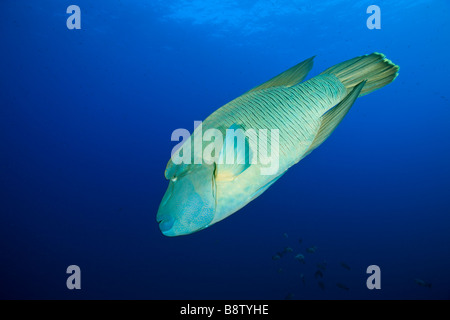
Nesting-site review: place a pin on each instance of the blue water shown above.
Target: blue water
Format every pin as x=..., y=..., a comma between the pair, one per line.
x=86, y=118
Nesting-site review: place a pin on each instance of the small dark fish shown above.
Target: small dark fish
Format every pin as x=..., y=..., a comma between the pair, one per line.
x=276, y=257
x=280, y=254
x=300, y=241
x=300, y=258
x=280, y=270
x=289, y=296
x=422, y=283
x=302, y=277
x=285, y=235
x=322, y=266
x=318, y=274
x=321, y=285
x=311, y=249
x=345, y=266
x=288, y=249
x=342, y=286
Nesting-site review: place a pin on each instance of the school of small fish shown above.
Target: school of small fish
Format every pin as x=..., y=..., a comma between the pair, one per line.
x=320, y=268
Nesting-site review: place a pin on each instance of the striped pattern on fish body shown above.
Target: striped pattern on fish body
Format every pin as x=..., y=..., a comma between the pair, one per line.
x=295, y=111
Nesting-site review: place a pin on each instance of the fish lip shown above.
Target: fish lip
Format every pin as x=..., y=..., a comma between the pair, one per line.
x=168, y=233
x=166, y=224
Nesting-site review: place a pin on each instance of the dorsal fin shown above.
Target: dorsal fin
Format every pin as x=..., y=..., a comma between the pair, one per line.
x=289, y=77
x=331, y=118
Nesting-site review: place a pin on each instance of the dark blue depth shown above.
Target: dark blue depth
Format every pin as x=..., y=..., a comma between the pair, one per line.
x=85, y=123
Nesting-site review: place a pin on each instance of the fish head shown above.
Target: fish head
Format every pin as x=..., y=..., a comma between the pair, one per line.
x=189, y=203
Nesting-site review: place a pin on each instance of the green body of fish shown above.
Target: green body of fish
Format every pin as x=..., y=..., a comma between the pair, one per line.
x=303, y=114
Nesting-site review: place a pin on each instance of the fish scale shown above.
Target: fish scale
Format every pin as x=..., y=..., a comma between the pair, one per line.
x=295, y=111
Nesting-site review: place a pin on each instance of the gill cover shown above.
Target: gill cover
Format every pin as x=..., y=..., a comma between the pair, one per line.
x=190, y=201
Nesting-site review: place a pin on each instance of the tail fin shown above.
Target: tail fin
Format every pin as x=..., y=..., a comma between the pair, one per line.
x=375, y=68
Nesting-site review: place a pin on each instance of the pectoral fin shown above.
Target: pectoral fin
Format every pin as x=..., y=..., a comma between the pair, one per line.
x=289, y=77
x=235, y=155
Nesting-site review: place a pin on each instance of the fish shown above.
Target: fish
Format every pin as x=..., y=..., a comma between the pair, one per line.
x=318, y=274
x=300, y=241
x=321, y=285
x=299, y=257
x=422, y=283
x=210, y=180
x=276, y=257
x=288, y=249
x=281, y=253
x=345, y=266
x=311, y=249
x=322, y=266
x=289, y=296
x=302, y=278
x=342, y=286
x=285, y=235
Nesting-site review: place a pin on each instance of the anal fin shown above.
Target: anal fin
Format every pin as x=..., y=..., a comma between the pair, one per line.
x=334, y=116
x=258, y=192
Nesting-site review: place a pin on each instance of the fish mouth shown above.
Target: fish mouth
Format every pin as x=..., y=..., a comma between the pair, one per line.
x=165, y=225
x=165, y=221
